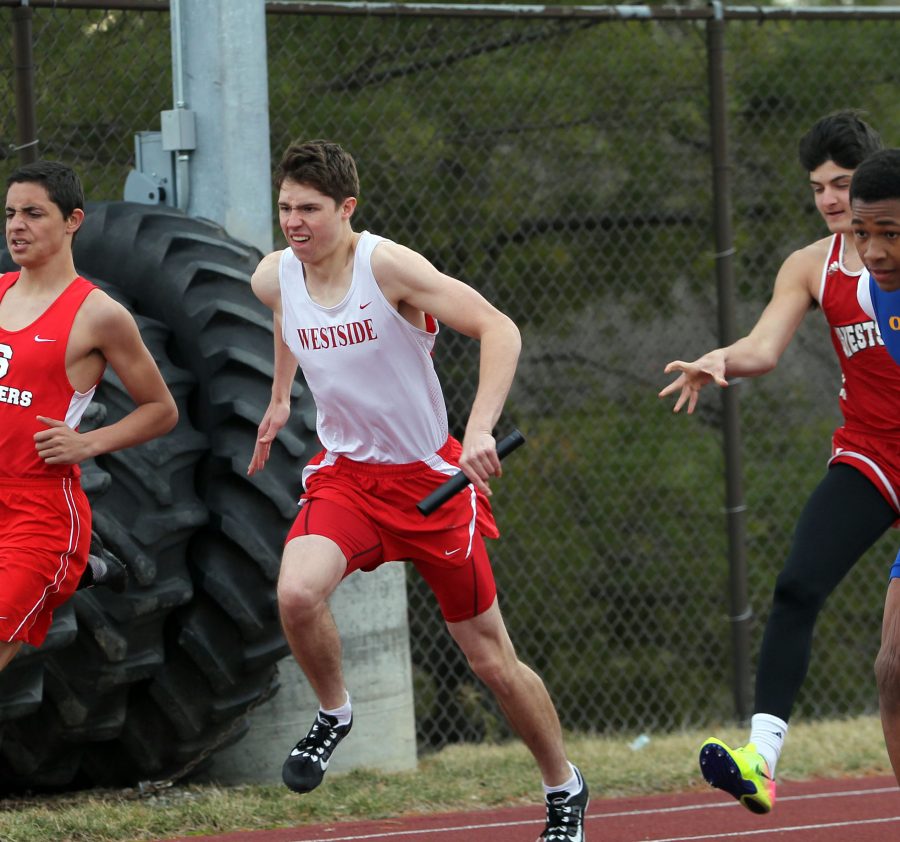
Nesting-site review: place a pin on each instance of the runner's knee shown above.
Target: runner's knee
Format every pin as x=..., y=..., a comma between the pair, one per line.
x=304, y=593
x=311, y=569
x=297, y=600
x=794, y=592
x=494, y=666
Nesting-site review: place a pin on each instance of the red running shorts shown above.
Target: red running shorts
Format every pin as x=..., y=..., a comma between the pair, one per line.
x=369, y=511
x=876, y=457
x=44, y=544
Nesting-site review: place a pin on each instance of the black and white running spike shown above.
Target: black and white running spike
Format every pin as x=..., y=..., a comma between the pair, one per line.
x=308, y=761
x=565, y=815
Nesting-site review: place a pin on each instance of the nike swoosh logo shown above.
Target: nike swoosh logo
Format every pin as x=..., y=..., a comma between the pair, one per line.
x=363, y=306
x=41, y=339
x=451, y=552
x=296, y=753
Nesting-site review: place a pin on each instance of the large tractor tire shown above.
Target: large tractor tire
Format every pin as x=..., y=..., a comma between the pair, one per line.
x=221, y=638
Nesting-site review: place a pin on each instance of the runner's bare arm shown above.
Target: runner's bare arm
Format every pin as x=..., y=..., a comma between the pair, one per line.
x=109, y=330
x=264, y=283
x=759, y=351
x=406, y=276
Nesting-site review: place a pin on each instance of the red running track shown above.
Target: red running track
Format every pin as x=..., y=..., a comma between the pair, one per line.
x=843, y=810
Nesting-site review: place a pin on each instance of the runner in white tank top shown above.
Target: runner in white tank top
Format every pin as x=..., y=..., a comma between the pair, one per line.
x=378, y=398
x=351, y=309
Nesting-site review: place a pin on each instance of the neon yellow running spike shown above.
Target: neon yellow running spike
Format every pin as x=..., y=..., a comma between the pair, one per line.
x=741, y=772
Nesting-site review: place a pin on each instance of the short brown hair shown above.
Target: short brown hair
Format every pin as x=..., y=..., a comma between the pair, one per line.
x=321, y=164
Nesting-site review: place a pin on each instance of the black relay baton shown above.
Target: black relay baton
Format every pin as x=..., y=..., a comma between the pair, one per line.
x=459, y=481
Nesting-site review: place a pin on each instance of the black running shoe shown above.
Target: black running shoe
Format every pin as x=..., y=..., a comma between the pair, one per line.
x=565, y=815
x=108, y=572
x=306, y=764
x=103, y=569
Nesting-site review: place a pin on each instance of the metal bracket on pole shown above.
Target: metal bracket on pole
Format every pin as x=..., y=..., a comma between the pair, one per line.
x=152, y=180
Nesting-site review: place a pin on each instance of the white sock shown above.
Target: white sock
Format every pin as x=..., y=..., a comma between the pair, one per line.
x=767, y=733
x=343, y=713
x=571, y=786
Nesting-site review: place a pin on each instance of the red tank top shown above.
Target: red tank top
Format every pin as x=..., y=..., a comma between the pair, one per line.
x=870, y=393
x=33, y=381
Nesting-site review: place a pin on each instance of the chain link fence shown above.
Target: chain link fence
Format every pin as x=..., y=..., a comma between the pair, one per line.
x=562, y=166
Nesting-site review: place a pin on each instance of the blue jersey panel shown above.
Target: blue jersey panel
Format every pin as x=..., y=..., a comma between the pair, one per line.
x=887, y=313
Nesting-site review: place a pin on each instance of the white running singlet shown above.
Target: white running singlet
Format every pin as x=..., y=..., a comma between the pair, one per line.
x=378, y=397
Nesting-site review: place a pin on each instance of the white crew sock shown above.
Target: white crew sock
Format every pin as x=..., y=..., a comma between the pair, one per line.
x=572, y=786
x=767, y=733
x=343, y=713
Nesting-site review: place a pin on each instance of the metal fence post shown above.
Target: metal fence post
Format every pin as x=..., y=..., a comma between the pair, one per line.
x=735, y=508
x=26, y=122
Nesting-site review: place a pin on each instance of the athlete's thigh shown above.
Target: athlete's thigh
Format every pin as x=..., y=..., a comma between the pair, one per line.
x=326, y=543
x=875, y=457
x=310, y=564
x=463, y=591
x=843, y=517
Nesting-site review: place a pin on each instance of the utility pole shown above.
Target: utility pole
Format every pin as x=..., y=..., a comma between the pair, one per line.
x=223, y=79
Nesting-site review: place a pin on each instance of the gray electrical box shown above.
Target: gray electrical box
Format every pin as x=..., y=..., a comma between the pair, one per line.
x=179, y=130
x=152, y=181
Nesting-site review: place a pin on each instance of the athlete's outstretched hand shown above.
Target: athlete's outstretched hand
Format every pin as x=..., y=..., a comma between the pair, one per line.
x=694, y=376
x=275, y=418
x=59, y=444
x=479, y=460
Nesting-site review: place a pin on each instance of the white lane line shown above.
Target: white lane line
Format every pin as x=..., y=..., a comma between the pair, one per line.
x=655, y=811
x=741, y=834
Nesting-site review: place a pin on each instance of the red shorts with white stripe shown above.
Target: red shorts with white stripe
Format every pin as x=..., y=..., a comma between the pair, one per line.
x=44, y=545
x=876, y=457
x=369, y=511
